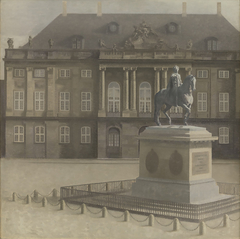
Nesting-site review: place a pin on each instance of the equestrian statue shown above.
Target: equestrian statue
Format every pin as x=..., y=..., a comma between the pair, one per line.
x=176, y=94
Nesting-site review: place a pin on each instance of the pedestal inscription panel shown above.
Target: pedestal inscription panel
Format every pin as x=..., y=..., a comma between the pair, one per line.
x=200, y=163
x=152, y=161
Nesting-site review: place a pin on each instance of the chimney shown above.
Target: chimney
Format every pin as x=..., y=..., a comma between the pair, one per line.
x=184, y=9
x=64, y=9
x=99, y=9
x=219, y=11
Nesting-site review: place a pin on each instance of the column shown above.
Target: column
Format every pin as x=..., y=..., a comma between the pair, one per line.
x=102, y=110
x=188, y=71
x=164, y=78
x=157, y=80
x=126, y=112
x=237, y=87
x=133, y=93
x=51, y=91
x=30, y=90
x=9, y=94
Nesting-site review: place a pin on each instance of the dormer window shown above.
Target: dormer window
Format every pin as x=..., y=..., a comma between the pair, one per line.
x=212, y=44
x=172, y=28
x=78, y=42
x=113, y=28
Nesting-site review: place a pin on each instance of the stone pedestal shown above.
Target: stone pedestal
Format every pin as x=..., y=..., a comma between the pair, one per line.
x=176, y=165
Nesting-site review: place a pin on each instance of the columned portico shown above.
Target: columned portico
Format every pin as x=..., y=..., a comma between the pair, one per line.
x=102, y=110
x=164, y=78
x=126, y=111
x=133, y=93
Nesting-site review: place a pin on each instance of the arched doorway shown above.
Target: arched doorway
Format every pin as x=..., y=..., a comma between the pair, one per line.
x=113, y=143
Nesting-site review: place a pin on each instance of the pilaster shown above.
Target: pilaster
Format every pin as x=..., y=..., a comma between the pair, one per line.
x=133, y=106
x=9, y=93
x=51, y=109
x=157, y=80
x=29, y=93
x=237, y=87
x=102, y=110
x=164, y=78
x=126, y=112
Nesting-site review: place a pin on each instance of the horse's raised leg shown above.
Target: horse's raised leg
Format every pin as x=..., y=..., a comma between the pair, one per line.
x=187, y=114
x=168, y=107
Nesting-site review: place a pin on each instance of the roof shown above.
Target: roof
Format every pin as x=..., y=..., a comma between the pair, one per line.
x=91, y=27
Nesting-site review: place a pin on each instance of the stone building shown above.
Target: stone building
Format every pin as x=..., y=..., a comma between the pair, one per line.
x=84, y=86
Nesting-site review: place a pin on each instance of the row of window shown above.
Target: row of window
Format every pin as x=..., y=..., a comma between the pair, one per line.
x=39, y=101
x=64, y=134
x=41, y=73
x=204, y=74
x=114, y=100
x=202, y=102
x=113, y=135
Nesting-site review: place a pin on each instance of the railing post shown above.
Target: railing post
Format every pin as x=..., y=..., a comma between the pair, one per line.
x=226, y=221
x=107, y=186
x=62, y=205
x=44, y=202
x=151, y=220
x=202, y=228
x=104, y=212
x=72, y=190
x=89, y=187
x=28, y=199
x=122, y=185
x=35, y=194
x=176, y=225
x=126, y=216
x=83, y=208
x=54, y=193
x=14, y=197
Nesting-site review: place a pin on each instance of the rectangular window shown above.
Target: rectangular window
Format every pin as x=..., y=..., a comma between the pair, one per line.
x=64, y=134
x=223, y=135
x=18, y=100
x=18, y=134
x=223, y=102
x=223, y=74
x=40, y=73
x=86, y=101
x=19, y=73
x=202, y=73
x=39, y=100
x=65, y=73
x=64, y=101
x=202, y=101
x=86, y=135
x=86, y=73
x=39, y=134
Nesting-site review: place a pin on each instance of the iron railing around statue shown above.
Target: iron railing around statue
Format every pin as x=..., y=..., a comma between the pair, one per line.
x=117, y=195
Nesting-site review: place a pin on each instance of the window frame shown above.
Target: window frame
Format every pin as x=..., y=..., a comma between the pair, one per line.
x=65, y=74
x=66, y=102
x=201, y=102
x=113, y=141
x=116, y=103
x=39, y=76
x=87, y=102
x=39, y=108
x=86, y=73
x=223, y=138
x=202, y=74
x=212, y=44
x=18, y=134
x=86, y=135
x=224, y=72
x=39, y=134
x=20, y=101
x=65, y=135
x=225, y=103
x=19, y=75
x=144, y=102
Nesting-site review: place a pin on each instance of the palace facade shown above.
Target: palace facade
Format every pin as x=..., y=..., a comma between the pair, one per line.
x=84, y=86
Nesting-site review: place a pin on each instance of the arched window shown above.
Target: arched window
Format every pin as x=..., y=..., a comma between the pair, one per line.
x=223, y=135
x=144, y=97
x=113, y=97
x=212, y=44
x=86, y=135
x=113, y=137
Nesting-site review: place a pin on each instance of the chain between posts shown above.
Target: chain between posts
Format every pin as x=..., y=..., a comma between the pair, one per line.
x=92, y=211
x=35, y=200
x=187, y=228
x=214, y=227
x=115, y=216
x=138, y=220
x=163, y=224
x=74, y=209
x=21, y=197
x=234, y=219
x=45, y=195
x=52, y=203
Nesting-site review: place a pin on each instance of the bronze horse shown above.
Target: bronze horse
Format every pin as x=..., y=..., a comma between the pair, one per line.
x=184, y=99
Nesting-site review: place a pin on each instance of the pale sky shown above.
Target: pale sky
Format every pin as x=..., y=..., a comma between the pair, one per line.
x=21, y=18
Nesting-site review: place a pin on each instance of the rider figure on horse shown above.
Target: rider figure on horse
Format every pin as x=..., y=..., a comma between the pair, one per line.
x=172, y=87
